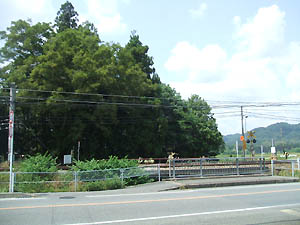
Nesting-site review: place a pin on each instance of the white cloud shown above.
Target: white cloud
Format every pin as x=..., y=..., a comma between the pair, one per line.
x=200, y=64
x=126, y=1
x=30, y=6
x=293, y=80
x=258, y=36
x=263, y=67
x=237, y=21
x=199, y=11
x=37, y=10
x=105, y=15
x=256, y=68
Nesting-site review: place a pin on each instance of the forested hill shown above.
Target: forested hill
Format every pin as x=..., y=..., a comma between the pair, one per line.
x=73, y=87
x=285, y=136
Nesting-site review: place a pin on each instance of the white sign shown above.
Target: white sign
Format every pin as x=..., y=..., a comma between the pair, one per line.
x=67, y=159
x=273, y=150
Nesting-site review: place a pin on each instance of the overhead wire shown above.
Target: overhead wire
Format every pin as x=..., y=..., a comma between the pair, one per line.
x=93, y=94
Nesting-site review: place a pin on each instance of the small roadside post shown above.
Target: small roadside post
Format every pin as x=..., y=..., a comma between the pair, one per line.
x=78, y=150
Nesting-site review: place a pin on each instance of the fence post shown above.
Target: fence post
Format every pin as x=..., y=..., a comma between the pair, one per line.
x=298, y=162
x=13, y=181
x=169, y=167
x=272, y=167
x=122, y=176
x=261, y=165
x=75, y=180
x=293, y=169
x=201, y=171
x=174, y=175
x=158, y=171
x=237, y=167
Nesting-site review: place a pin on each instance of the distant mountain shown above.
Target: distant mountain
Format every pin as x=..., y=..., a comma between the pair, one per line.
x=285, y=136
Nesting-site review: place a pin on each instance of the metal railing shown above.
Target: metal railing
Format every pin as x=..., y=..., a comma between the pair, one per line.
x=203, y=167
x=285, y=167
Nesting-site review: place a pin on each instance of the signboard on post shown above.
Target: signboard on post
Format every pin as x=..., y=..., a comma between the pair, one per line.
x=273, y=150
x=67, y=159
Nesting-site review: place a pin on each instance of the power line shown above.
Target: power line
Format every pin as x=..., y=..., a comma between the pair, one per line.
x=228, y=103
x=275, y=116
x=95, y=94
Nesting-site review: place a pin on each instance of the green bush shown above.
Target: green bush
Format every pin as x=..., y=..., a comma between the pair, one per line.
x=43, y=187
x=112, y=163
x=138, y=180
x=287, y=173
x=93, y=175
x=39, y=163
x=4, y=187
x=100, y=185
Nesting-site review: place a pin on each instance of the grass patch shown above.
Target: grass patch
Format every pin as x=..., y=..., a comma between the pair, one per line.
x=287, y=173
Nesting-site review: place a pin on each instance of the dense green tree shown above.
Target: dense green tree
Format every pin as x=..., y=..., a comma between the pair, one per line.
x=135, y=114
x=138, y=52
x=201, y=135
x=23, y=44
x=3, y=123
x=66, y=17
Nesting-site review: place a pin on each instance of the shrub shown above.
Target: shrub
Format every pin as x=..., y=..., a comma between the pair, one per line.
x=4, y=182
x=112, y=163
x=39, y=163
x=138, y=180
x=100, y=185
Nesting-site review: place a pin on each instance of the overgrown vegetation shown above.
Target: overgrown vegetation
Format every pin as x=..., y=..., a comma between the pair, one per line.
x=112, y=163
x=39, y=173
x=287, y=173
x=39, y=163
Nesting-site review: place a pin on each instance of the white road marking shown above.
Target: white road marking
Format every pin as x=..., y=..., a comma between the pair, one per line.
x=20, y=199
x=140, y=194
x=291, y=212
x=186, y=215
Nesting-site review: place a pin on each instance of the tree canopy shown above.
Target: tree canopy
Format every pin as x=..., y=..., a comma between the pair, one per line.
x=74, y=87
x=66, y=17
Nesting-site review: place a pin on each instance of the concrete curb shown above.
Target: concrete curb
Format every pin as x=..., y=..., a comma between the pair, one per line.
x=235, y=183
x=18, y=195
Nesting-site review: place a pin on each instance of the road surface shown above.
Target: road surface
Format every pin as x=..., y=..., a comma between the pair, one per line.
x=277, y=204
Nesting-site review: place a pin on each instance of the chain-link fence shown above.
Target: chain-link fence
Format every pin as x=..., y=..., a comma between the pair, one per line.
x=75, y=180
x=173, y=168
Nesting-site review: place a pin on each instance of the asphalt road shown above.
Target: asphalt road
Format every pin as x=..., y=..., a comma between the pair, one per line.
x=277, y=204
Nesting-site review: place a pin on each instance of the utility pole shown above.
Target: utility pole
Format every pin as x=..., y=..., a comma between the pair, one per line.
x=237, y=148
x=11, y=135
x=242, y=119
x=243, y=133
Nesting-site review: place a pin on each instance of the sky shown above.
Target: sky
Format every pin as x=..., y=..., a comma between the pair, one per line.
x=229, y=52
